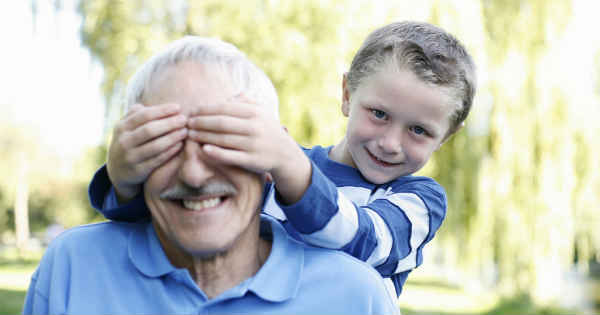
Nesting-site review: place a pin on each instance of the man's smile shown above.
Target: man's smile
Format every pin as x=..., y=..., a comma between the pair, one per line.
x=203, y=204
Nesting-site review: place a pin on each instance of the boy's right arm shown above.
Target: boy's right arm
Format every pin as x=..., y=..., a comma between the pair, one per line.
x=144, y=139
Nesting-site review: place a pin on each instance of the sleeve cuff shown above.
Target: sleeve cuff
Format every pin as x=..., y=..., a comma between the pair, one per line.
x=104, y=199
x=317, y=205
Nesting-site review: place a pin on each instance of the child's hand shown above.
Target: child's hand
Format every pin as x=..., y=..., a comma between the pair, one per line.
x=249, y=136
x=144, y=139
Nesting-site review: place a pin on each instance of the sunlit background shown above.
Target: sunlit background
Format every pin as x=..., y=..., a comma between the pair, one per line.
x=522, y=234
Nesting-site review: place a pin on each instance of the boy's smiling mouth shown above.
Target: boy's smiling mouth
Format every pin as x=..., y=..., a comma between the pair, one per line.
x=379, y=161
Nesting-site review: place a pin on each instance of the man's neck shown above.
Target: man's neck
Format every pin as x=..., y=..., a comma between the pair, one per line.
x=221, y=272
x=215, y=274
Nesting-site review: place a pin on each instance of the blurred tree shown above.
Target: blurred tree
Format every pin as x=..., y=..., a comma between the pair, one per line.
x=37, y=179
x=521, y=196
x=299, y=45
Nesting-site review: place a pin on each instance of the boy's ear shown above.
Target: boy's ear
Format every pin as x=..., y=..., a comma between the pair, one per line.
x=345, y=96
x=450, y=134
x=268, y=177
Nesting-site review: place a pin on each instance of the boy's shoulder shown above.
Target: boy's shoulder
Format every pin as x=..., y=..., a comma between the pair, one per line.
x=416, y=183
x=316, y=151
x=430, y=192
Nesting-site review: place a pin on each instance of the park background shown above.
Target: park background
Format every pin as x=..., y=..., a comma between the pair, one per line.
x=522, y=233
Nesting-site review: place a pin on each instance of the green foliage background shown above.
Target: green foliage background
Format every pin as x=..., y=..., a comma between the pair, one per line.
x=522, y=177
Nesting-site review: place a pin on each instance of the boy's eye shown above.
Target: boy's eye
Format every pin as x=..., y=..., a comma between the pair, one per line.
x=379, y=114
x=418, y=130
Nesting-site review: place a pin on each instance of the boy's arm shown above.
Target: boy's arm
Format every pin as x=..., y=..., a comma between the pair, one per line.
x=388, y=233
x=104, y=199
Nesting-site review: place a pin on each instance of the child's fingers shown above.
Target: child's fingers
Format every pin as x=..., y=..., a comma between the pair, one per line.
x=134, y=108
x=147, y=166
x=157, y=128
x=144, y=114
x=231, y=141
x=222, y=124
x=157, y=146
x=229, y=156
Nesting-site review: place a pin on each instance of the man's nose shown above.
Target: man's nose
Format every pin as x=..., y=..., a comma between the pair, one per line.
x=194, y=170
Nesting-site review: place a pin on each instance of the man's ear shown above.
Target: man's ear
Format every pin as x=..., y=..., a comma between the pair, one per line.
x=345, y=96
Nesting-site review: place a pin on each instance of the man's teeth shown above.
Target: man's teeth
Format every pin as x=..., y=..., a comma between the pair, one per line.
x=201, y=204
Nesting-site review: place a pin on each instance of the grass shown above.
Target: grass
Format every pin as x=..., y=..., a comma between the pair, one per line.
x=432, y=296
x=11, y=301
x=423, y=294
x=517, y=305
x=522, y=304
x=15, y=271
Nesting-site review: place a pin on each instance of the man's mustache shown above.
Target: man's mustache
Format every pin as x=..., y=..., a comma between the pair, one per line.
x=181, y=190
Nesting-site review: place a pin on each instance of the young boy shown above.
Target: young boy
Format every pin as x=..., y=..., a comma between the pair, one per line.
x=409, y=88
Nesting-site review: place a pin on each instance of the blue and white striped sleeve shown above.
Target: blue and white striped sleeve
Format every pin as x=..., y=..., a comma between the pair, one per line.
x=389, y=232
x=412, y=212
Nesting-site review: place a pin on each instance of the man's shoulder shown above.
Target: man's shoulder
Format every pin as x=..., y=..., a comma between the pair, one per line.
x=332, y=263
x=95, y=235
x=319, y=263
x=344, y=281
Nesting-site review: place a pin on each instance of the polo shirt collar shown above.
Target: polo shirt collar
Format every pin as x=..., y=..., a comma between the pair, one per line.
x=279, y=277
x=146, y=253
x=277, y=280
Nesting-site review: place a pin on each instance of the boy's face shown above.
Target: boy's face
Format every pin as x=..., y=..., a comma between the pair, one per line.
x=396, y=121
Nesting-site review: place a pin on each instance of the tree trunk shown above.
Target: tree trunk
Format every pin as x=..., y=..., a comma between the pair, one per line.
x=21, y=209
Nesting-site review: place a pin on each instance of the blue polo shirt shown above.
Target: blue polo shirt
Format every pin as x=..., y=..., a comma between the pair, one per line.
x=120, y=268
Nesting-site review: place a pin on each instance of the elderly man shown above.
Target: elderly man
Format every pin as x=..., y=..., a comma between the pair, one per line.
x=206, y=249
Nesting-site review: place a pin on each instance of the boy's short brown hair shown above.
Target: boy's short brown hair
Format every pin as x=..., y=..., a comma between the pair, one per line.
x=432, y=54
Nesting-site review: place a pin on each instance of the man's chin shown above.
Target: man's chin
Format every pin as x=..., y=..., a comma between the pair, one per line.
x=207, y=252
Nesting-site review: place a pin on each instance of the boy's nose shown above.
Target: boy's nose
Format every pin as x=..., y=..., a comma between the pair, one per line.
x=391, y=141
x=194, y=170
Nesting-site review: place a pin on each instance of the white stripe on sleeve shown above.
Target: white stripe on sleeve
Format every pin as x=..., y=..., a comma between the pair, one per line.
x=340, y=230
x=384, y=240
x=416, y=211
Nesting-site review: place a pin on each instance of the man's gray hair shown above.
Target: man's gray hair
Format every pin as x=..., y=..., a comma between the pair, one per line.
x=245, y=76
